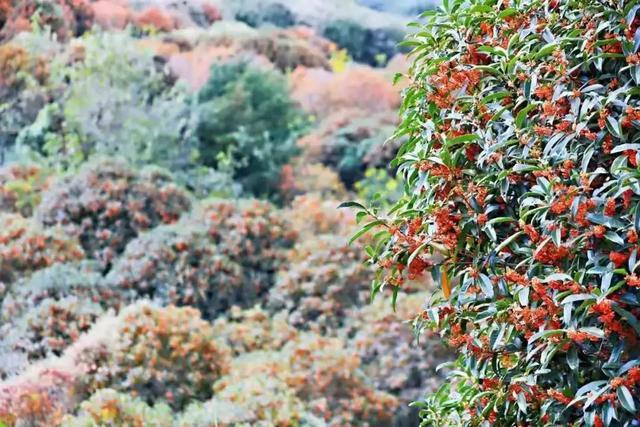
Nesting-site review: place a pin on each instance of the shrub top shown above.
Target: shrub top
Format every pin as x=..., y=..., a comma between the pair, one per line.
x=106, y=204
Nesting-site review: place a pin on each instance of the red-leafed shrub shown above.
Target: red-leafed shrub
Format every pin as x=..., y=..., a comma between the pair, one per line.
x=322, y=280
x=310, y=374
x=312, y=215
x=255, y=329
x=287, y=50
x=106, y=204
x=108, y=407
x=53, y=324
x=112, y=15
x=157, y=354
x=25, y=247
x=521, y=173
x=223, y=256
x=322, y=92
x=66, y=18
x=252, y=232
x=5, y=10
x=392, y=359
x=156, y=19
x=17, y=66
x=211, y=12
x=302, y=178
x=40, y=400
x=178, y=265
x=47, y=312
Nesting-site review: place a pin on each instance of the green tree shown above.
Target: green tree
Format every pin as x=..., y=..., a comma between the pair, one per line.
x=247, y=123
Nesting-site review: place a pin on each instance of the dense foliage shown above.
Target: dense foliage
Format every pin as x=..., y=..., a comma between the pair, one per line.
x=522, y=196
x=248, y=123
x=105, y=204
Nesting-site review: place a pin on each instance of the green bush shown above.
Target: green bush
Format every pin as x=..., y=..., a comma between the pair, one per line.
x=521, y=174
x=373, y=46
x=267, y=13
x=247, y=124
x=115, y=101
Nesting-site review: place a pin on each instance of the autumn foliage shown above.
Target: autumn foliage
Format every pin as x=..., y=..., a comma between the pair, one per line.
x=171, y=252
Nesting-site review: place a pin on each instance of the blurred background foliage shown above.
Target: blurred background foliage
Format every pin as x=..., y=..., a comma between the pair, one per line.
x=171, y=252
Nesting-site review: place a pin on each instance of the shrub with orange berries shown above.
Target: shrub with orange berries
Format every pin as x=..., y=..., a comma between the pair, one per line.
x=26, y=247
x=522, y=191
x=106, y=204
x=157, y=354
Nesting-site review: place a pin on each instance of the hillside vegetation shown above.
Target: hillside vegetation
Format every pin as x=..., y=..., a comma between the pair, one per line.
x=170, y=249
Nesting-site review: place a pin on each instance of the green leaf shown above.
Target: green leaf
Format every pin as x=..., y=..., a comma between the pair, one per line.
x=365, y=229
x=614, y=238
x=522, y=403
x=394, y=297
x=351, y=204
x=572, y=358
x=578, y=297
x=592, y=330
x=507, y=13
x=501, y=220
x=523, y=296
x=624, y=147
x=606, y=281
x=486, y=285
x=497, y=338
x=626, y=399
x=491, y=232
x=545, y=334
x=595, y=396
x=614, y=127
x=587, y=388
x=415, y=253
x=508, y=241
x=632, y=14
x=522, y=115
x=629, y=317
x=462, y=139
x=557, y=277
x=546, y=50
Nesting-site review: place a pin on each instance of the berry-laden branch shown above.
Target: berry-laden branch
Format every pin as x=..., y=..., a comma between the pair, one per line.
x=520, y=164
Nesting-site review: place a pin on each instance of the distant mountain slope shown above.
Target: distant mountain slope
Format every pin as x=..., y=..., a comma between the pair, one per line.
x=403, y=7
x=316, y=13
